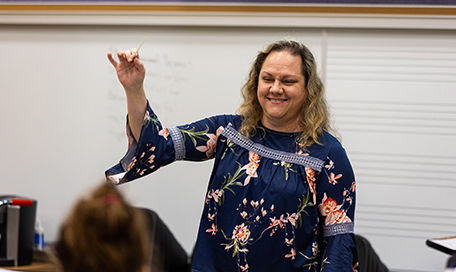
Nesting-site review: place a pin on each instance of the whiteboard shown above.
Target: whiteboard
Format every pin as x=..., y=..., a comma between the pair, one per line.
x=64, y=109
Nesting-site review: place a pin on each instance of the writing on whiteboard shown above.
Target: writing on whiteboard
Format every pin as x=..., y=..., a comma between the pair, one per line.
x=166, y=78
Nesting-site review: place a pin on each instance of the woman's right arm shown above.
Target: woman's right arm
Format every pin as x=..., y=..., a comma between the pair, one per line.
x=152, y=145
x=159, y=146
x=131, y=72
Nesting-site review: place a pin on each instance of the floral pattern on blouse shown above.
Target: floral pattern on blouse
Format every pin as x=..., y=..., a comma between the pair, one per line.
x=261, y=212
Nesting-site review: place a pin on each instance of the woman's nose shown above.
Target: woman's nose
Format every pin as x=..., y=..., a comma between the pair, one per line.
x=276, y=87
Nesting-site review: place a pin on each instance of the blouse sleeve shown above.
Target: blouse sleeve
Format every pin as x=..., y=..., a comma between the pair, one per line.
x=336, y=190
x=158, y=146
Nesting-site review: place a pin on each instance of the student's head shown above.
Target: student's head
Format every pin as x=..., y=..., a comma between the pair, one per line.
x=103, y=233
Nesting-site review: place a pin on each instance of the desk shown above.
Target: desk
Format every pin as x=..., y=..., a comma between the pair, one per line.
x=35, y=266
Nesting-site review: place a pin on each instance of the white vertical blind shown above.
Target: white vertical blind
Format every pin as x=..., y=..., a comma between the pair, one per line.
x=393, y=96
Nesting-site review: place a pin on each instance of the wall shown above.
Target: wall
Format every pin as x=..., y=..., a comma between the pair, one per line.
x=393, y=97
x=392, y=92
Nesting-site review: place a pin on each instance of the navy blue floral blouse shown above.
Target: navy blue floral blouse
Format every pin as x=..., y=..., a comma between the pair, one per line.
x=270, y=206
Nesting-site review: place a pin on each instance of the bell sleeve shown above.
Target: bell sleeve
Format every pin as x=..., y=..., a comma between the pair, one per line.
x=159, y=145
x=336, y=190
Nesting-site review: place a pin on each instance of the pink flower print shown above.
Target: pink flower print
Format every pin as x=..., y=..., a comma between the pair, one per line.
x=212, y=230
x=330, y=165
x=216, y=194
x=314, y=248
x=277, y=222
x=244, y=201
x=164, y=132
x=219, y=130
x=209, y=196
x=332, y=211
x=263, y=212
x=241, y=233
x=328, y=205
x=213, y=194
x=291, y=255
x=244, y=214
x=151, y=159
x=132, y=164
x=354, y=267
x=147, y=115
x=244, y=268
x=209, y=149
x=292, y=218
x=254, y=157
x=337, y=217
x=310, y=175
x=211, y=216
x=254, y=203
x=333, y=178
x=289, y=242
x=251, y=167
x=251, y=173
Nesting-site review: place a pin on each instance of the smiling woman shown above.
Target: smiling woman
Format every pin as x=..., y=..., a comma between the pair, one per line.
x=282, y=92
x=281, y=186
x=290, y=68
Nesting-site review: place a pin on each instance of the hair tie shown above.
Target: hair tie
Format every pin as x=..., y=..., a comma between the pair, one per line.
x=111, y=199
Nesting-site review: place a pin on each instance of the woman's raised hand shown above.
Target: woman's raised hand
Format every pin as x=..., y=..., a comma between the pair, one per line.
x=130, y=70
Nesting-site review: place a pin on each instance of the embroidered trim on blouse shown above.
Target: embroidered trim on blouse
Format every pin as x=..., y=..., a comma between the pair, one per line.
x=308, y=161
x=335, y=229
x=178, y=140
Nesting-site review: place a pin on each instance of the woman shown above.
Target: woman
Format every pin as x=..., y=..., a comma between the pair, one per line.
x=281, y=196
x=104, y=233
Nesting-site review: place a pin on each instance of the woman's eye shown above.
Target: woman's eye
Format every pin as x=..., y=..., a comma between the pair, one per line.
x=267, y=79
x=289, y=82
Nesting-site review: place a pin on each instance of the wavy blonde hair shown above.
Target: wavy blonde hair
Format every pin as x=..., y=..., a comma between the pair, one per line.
x=314, y=116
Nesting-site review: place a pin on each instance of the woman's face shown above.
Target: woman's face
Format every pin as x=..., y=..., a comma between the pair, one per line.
x=281, y=91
